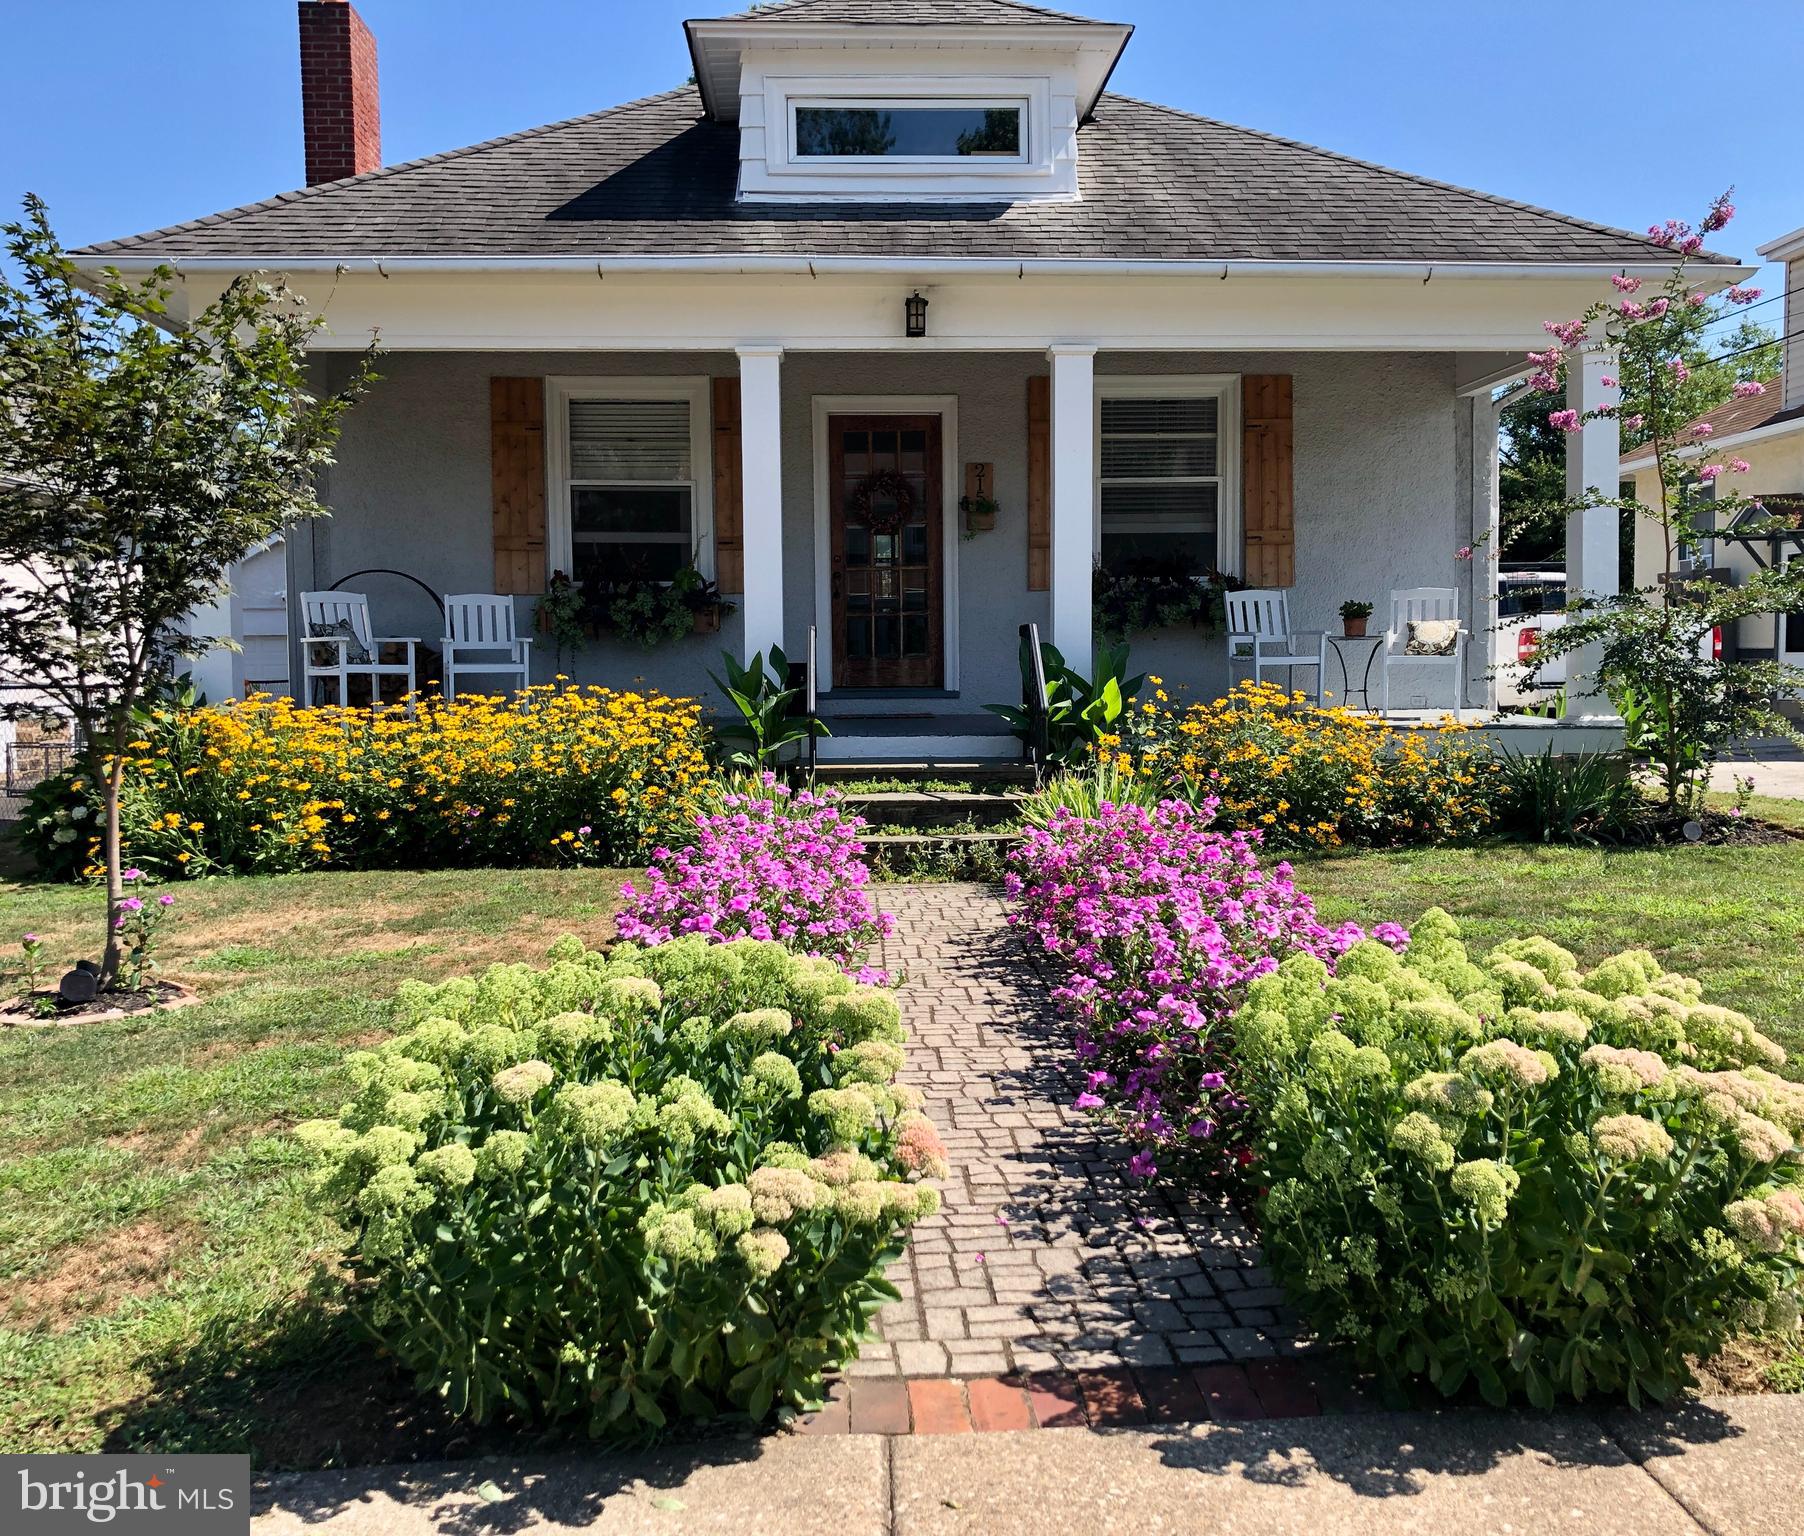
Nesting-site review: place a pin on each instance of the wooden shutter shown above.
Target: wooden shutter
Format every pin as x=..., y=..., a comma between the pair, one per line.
x=1039, y=484
x=729, y=506
x=517, y=467
x=1266, y=491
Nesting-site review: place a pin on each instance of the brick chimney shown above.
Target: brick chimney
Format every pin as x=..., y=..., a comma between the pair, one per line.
x=341, y=111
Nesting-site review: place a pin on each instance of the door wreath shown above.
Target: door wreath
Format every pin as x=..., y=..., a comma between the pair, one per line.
x=887, y=486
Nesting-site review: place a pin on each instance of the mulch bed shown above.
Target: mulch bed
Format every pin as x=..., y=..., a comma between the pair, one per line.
x=159, y=996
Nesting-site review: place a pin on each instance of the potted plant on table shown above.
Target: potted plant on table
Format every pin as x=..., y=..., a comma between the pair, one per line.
x=1353, y=616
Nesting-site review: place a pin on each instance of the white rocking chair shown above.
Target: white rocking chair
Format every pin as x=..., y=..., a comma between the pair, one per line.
x=338, y=645
x=1419, y=605
x=480, y=638
x=1260, y=636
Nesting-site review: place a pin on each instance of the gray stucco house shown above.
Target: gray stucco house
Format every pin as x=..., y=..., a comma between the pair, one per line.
x=681, y=329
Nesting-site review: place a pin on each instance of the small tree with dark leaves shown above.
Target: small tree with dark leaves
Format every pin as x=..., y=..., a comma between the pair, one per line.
x=139, y=459
x=1682, y=705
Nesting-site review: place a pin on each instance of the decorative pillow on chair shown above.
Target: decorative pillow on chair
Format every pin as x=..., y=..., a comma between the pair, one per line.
x=356, y=654
x=1431, y=637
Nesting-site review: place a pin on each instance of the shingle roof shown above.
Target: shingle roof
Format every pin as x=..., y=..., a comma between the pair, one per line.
x=653, y=178
x=908, y=12
x=1733, y=417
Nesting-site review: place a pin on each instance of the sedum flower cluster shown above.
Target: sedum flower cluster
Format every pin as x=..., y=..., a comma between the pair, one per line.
x=769, y=864
x=1157, y=922
x=1518, y=1173
x=554, y=775
x=620, y=1189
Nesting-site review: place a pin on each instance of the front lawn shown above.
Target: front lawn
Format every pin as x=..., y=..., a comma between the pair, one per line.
x=1732, y=917
x=156, y=1249
x=155, y=1244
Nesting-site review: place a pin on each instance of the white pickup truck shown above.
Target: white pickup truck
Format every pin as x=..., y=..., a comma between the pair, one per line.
x=1529, y=603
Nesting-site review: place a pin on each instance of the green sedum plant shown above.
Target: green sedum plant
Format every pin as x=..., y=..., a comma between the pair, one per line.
x=659, y=1183
x=1515, y=1173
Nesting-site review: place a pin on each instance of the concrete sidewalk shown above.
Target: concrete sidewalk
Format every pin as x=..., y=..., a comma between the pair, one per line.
x=1725, y=1466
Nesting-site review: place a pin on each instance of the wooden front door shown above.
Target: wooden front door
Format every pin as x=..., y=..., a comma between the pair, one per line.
x=886, y=530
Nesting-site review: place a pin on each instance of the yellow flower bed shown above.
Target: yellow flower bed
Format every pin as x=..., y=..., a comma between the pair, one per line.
x=558, y=775
x=1314, y=777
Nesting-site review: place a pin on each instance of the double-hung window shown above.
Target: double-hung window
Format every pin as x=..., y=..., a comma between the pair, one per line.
x=632, y=457
x=1165, y=460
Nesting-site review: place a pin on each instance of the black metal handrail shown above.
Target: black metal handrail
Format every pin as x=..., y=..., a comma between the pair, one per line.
x=814, y=718
x=1036, y=701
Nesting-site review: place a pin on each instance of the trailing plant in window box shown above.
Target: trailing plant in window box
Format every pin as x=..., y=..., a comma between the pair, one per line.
x=1152, y=595
x=632, y=1188
x=1515, y=1173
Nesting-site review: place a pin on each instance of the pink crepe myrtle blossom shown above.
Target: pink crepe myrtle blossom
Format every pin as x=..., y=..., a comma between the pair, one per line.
x=1679, y=370
x=1625, y=284
x=1746, y=389
x=1702, y=429
x=1464, y=552
x=1565, y=421
x=1569, y=332
x=1739, y=466
x=1740, y=295
x=1697, y=298
x=1607, y=381
x=1721, y=211
x=1630, y=310
x=1634, y=423
x=1657, y=307
x=1710, y=471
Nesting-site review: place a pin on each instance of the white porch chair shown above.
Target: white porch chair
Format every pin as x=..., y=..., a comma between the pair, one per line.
x=338, y=645
x=1423, y=605
x=480, y=638
x=1260, y=636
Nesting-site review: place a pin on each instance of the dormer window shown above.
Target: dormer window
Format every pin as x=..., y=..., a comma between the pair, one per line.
x=909, y=130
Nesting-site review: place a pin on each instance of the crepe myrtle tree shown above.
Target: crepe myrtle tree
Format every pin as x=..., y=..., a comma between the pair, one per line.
x=1682, y=706
x=138, y=460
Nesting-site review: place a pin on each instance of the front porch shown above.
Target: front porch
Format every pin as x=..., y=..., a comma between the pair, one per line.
x=756, y=463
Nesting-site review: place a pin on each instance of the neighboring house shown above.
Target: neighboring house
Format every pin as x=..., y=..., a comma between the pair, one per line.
x=1767, y=432
x=683, y=325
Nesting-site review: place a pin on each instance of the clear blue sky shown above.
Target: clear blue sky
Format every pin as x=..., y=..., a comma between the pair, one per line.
x=127, y=115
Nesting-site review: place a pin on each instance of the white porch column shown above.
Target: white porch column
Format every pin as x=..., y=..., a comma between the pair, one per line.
x=1487, y=463
x=1073, y=501
x=1593, y=544
x=761, y=495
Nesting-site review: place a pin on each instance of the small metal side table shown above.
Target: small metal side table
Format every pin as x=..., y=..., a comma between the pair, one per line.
x=1342, y=646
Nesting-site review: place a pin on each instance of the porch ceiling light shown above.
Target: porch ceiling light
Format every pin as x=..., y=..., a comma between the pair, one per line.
x=914, y=311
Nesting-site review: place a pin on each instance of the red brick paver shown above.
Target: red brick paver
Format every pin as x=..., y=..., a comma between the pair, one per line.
x=998, y=1405
x=1230, y=1395
x=1283, y=1389
x=1055, y=1401
x=1171, y=1395
x=879, y=1407
x=939, y=1407
x=1111, y=1398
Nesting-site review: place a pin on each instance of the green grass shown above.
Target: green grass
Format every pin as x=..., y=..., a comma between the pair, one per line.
x=1731, y=916
x=163, y=1279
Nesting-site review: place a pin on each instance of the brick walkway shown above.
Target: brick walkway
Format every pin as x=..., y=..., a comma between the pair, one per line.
x=1044, y=1258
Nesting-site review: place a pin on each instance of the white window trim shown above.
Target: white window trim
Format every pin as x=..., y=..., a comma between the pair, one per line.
x=875, y=103
x=1224, y=388
x=946, y=408
x=783, y=93
x=693, y=389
